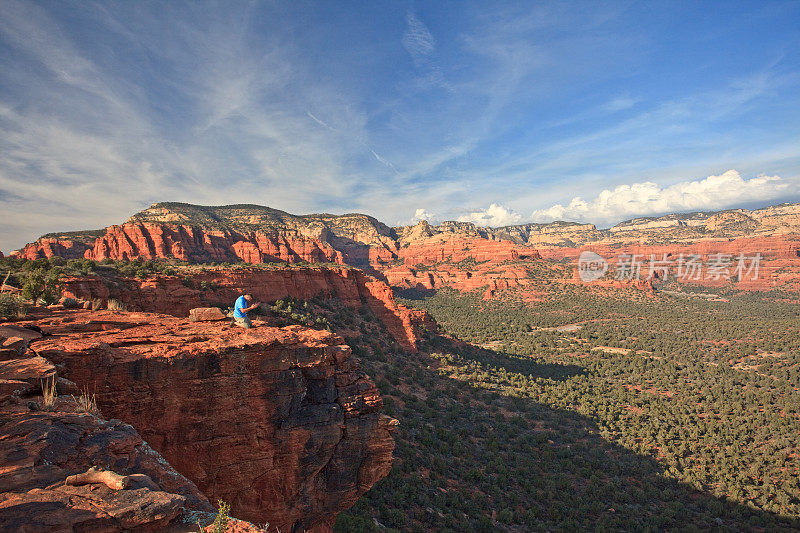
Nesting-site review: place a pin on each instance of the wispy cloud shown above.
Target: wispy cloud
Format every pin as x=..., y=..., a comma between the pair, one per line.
x=84, y=146
x=417, y=38
x=620, y=103
x=105, y=108
x=318, y=121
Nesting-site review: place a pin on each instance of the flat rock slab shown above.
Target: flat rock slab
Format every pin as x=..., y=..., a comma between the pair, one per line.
x=12, y=330
x=88, y=508
x=30, y=369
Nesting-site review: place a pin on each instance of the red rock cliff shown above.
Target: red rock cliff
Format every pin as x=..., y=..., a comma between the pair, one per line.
x=171, y=295
x=279, y=422
x=41, y=446
x=147, y=240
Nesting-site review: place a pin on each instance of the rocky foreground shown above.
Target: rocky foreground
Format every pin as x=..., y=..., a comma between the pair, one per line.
x=281, y=423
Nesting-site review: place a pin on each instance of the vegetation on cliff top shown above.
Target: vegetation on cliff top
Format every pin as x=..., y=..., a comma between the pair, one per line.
x=254, y=217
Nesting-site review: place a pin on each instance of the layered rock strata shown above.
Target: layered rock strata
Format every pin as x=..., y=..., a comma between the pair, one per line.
x=279, y=422
x=42, y=444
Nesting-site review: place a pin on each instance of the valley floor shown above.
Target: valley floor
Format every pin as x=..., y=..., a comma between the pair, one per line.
x=660, y=412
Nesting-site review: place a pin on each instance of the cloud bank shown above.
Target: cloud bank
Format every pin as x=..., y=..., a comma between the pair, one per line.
x=494, y=215
x=422, y=214
x=612, y=206
x=648, y=198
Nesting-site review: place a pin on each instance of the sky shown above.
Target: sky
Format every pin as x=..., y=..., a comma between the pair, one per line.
x=491, y=112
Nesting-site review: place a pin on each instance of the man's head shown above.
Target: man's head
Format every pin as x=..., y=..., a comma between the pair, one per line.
x=248, y=297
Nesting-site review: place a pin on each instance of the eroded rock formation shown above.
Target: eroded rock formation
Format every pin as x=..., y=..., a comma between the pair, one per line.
x=279, y=422
x=42, y=445
x=453, y=254
x=176, y=296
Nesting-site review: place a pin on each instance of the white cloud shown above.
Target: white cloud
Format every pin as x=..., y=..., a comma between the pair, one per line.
x=495, y=215
x=417, y=39
x=648, y=198
x=422, y=214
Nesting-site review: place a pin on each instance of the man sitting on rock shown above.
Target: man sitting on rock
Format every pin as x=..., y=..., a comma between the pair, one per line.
x=243, y=305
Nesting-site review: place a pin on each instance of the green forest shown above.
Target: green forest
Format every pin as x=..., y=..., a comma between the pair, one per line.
x=589, y=410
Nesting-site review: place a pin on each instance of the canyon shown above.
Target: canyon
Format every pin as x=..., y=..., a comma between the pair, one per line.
x=460, y=255
x=279, y=421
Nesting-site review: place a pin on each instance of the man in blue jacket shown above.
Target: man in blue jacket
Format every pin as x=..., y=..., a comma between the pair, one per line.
x=241, y=307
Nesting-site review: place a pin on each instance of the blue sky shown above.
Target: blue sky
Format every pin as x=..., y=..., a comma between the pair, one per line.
x=496, y=112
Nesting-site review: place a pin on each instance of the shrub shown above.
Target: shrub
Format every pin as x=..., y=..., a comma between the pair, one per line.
x=42, y=284
x=10, y=305
x=70, y=303
x=207, y=285
x=220, y=524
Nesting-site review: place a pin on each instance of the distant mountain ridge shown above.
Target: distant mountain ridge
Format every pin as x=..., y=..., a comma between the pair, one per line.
x=254, y=234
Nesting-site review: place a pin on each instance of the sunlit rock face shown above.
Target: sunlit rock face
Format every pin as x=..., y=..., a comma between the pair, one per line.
x=279, y=422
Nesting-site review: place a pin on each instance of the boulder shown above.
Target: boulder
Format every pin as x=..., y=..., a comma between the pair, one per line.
x=40, y=450
x=206, y=314
x=17, y=344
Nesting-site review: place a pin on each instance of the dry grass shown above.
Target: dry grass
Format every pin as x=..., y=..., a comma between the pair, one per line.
x=86, y=402
x=49, y=393
x=116, y=305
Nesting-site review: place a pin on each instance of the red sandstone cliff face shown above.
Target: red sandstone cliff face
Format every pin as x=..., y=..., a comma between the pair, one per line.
x=443, y=260
x=779, y=264
x=458, y=255
x=169, y=294
x=279, y=422
x=196, y=244
x=454, y=250
x=147, y=240
x=46, y=247
x=41, y=446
